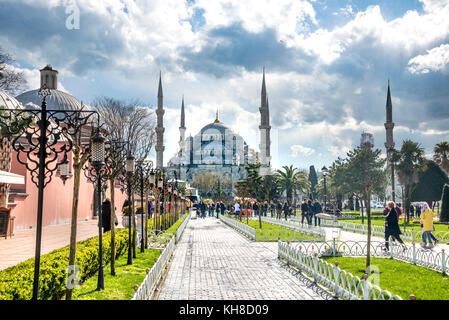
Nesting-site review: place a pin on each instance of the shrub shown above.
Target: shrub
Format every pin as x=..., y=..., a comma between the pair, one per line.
x=16, y=283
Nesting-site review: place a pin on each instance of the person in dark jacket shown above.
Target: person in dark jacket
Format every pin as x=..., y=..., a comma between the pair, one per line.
x=392, y=226
x=203, y=208
x=278, y=210
x=412, y=210
x=272, y=208
x=255, y=209
x=217, y=208
x=317, y=209
x=106, y=215
x=222, y=208
x=304, y=211
x=286, y=210
x=310, y=211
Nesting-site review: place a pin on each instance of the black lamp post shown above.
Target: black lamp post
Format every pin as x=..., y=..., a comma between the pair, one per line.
x=98, y=161
x=129, y=172
x=325, y=171
x=47, y=139
x=143, y=169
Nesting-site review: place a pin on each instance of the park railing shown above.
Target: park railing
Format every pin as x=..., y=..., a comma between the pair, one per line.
x=409, y=234
x=344, y=284
x=296, y=225
x=240, y=227
x=146, y=290
x=273, y=234
x=434, y=260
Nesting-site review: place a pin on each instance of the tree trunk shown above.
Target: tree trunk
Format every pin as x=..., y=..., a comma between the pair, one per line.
x=75, y=198
x=361, y=210
x=368, y=242
x=111, y=184
x=5, y=165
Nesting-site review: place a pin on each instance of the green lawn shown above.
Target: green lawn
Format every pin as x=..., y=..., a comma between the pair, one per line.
x=285, y=235
x=401, y=278
x=120, y=286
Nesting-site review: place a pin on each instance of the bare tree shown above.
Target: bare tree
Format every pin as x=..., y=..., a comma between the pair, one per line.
x=10, y=80
x=133, y=124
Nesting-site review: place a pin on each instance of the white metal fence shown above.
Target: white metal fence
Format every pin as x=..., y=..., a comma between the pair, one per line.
x=409, y=234
x=296, y=225
x=342, y=283
x=291, y=232
x=146, y=289
x=438, y=261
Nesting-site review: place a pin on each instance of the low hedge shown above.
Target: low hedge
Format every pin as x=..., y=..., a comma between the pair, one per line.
x=16, y=283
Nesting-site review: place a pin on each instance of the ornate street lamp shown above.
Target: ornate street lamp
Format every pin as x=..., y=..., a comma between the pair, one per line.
x=325, y=172
x=47, y=138
x=129, y=172
x=97, y=160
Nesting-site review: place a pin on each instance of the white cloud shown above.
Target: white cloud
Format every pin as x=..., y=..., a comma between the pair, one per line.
x=436, y=59
x=299, y=149
x=288, y=17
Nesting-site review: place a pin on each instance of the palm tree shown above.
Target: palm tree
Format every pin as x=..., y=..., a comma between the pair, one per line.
x=441, y=155
x=292, y=180
x=409, y=161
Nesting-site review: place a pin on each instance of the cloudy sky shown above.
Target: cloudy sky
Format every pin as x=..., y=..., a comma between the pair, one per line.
x=327, y=64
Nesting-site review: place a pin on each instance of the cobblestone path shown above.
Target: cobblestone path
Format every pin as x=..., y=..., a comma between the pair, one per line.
x=214, y=262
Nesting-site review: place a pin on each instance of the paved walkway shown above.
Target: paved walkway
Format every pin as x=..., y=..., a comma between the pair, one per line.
x=22, y=245
x=214, y=262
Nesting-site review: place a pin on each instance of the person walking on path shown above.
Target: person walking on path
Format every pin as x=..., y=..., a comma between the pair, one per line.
x=222, y=208
x=203, y=209
x=418, y=210
x=392, y=226
x=255, y=209
x=211, y=209
x=304, y=211
x=217, y=208
x=272, y=208
x=278, y=210
x=317, y=209
x=264, y=209
x=106, y=215
x=426, y=218
x=236, y=210
x=286, y=210
x=412, y=211
x=310, y=212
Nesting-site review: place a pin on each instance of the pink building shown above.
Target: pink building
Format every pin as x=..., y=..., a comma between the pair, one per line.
x=57, y=208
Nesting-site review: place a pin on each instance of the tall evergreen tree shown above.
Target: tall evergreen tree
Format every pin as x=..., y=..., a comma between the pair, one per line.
x=313, y=180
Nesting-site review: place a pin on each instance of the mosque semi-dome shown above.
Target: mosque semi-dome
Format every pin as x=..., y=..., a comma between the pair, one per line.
x=9, y=102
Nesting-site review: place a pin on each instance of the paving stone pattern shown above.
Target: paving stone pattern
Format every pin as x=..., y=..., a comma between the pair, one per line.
x=214, y=262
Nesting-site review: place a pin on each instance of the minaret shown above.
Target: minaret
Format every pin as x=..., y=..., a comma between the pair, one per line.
x=182, y=128
x=389, y=144
x=160, y=127
x=389, y=125
x=264, y=127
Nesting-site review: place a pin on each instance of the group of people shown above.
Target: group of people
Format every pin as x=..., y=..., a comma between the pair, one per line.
x=392, y=230
x=309, y=210
x=202, y=208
